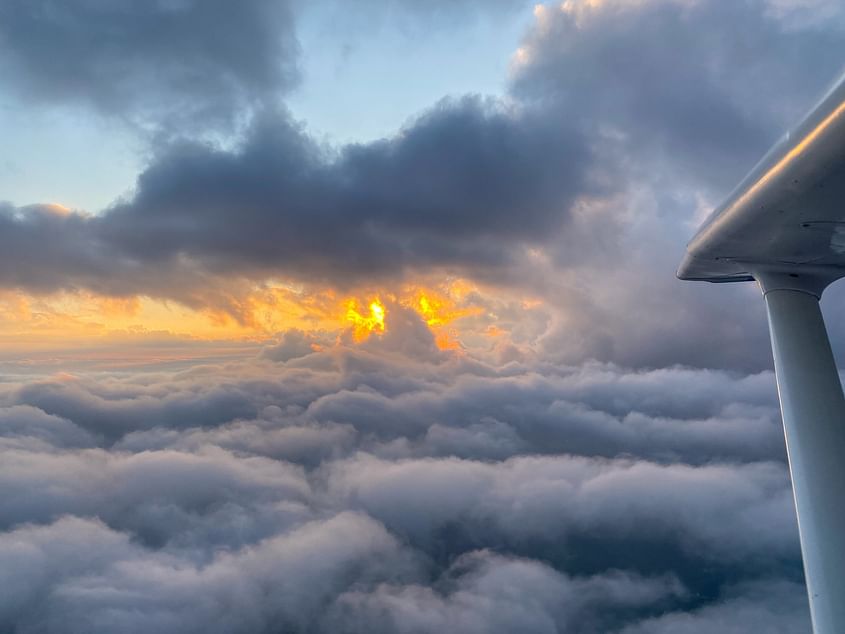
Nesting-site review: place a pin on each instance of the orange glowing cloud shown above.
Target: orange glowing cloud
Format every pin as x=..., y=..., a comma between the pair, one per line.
x=365, y=322
x=440, y=309
x=457, y=313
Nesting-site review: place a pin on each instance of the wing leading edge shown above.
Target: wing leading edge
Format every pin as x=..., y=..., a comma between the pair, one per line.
x=786, y=216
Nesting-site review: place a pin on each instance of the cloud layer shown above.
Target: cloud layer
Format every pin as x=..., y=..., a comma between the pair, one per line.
x=343, y=490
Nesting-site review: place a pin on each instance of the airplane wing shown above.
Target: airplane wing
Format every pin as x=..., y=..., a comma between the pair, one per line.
x=788, y=214
x=784, y=226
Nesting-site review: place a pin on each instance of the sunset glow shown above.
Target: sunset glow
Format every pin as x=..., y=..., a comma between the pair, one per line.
x=62, y=321
x=365, y=322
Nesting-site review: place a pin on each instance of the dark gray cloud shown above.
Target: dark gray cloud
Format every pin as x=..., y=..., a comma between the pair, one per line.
x=701, y=87
x=763, y=606
x=530, y=504
x=491, y=593
x=85, y=577
x=466, y=186
x=167, y=62
x=31, y=427
x=451, y=190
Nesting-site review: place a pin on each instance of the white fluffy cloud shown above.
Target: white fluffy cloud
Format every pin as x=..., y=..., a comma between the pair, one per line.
x=392, y=493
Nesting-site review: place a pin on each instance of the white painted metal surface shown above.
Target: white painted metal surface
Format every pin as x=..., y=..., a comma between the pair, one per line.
x=814, y=421
x=788, y=212
x=785, y=227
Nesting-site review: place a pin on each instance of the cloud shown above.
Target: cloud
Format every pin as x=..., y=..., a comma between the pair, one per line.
x=107, y=410
x=580, y=186
x=531, y=504
x=305, y=444
x=162, y=497
x=681, y=99
x=294, y=344
x=693, y=86
x=465, y=186
x=87, y=578
x=169, y=62
x=764, y=606
x=24, y=424
x=491, y=593
x=443, y=404
x=629, y=496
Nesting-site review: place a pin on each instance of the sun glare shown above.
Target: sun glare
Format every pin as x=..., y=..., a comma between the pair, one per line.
x=365, y=322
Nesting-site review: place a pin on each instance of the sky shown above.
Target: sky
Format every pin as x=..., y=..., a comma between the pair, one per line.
x=362, y=317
